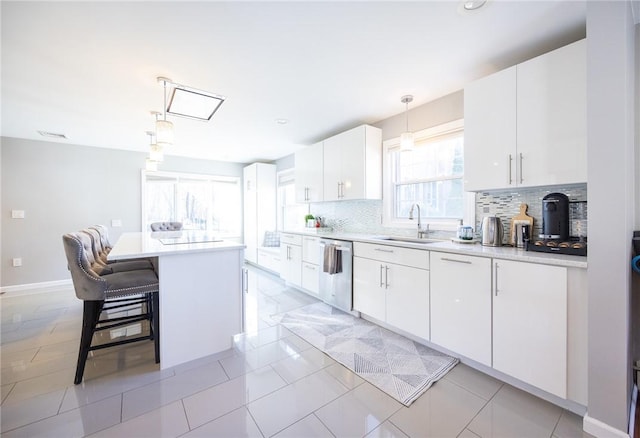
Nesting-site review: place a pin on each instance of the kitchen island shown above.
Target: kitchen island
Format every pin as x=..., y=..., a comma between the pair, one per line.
x=201, y=300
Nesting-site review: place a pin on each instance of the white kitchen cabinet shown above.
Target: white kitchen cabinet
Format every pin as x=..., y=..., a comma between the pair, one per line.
x=526, y=126
x=309, y=174
x=461, y=304
x=352, y=163
x=391, y=284
x=311, y=264
x=291, y=258
x=530, y=324
x=259, y=199
x=552, y=117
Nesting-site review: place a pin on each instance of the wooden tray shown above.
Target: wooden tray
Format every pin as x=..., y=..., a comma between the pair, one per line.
x=520, y=219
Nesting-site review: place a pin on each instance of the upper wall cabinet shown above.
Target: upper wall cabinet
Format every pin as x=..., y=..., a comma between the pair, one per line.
x=353, y=164
x=526, y=126
x=308, y=174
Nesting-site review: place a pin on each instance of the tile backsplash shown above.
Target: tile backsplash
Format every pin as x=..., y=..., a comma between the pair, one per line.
x=365, y=216
x=506, y=204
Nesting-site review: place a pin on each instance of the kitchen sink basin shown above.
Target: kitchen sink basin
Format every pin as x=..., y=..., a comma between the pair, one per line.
x=407, y=239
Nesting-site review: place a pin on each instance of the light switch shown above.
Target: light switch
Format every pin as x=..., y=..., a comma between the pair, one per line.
x=17, y=262
x=116, y=222
x=17, y=214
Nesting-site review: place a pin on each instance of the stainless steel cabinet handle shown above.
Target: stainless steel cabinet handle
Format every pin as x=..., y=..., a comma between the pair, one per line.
x=445, y=259
x=521, y=177
x=510, y=162
x=288, y=252
x=386, y=277
x=383, y=250
x=246, y=281
x=496, y=278
x=381, y=268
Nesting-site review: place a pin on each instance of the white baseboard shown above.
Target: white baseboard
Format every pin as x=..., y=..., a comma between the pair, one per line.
x=34, y=288
x=601, y=430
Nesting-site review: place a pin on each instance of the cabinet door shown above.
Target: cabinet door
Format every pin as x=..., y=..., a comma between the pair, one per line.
x=552, y=118
x=490, y=132
x=311, y=250
x=311, y=277
x=407, y=299
x=308, y=174
x=368, y=287
x=530, y=324
x=332, y=165
x=352, y=163
x=461, y=305
x=291, y=262
x=250, y=213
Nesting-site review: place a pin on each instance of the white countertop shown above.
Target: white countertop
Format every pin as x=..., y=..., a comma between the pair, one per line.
x=476, y=249
x=150, y=244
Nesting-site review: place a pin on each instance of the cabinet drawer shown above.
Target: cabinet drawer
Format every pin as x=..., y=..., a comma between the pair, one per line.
x=416, y=258
x=311, y=249
x=291, y=239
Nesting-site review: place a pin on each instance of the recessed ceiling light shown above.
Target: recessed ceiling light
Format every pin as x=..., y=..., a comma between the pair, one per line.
x=282, y=121
x=472, y=5
x=52, y=134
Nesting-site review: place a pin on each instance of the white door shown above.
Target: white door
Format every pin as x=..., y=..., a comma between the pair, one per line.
x=250, y=213
x=332, y=165
x=407, y=299
x=552, y=118
x=490, y=132
x=461, y=305
x=368, y=287
x=530, y=324
x=352, y=163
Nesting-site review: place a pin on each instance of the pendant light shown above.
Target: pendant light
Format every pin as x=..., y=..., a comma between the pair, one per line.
x=406, y=138
x=164, y=128
x=156, y=151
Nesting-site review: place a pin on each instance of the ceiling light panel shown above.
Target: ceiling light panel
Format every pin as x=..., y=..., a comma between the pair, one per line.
x=192, y=103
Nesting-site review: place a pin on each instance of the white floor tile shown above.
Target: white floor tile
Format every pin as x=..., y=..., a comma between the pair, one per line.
x=162, y=392
x=367, y=408
x=570, y=426
x=443, y=411
x=472, y=380
x=308, y=427
x=28, y=411
x=167, y=421
x=40, y=385
x=228, y=396
x=344, y=375
x=284, y=407
x=512, y=412
x=235, y=424
x=302, y=364
x=78, y=422
x=386, y=430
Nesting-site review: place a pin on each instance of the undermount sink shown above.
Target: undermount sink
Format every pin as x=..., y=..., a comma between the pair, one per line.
x=407, y=239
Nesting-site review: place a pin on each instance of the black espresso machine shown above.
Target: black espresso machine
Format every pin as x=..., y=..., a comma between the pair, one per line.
x=555, y=236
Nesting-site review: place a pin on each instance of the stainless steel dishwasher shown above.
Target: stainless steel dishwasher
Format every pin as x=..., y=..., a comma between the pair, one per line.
x=336, y=288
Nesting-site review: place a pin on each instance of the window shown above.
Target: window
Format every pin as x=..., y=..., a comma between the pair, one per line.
x=200, y=202
x=430, y=175
x=290, y=214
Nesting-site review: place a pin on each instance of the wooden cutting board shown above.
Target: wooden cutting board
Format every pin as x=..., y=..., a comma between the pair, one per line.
x=520, y=219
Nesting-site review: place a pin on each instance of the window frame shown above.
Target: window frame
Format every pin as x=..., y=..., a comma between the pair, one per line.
x=176, y=177
x=388, y=192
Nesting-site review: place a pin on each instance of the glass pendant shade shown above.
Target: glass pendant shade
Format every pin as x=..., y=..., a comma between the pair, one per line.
x=406, y=141
x=151, y=165
x=164, y=132
x=156, y=154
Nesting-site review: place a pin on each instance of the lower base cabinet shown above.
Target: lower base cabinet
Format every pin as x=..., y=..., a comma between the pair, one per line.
x=530, y=324
x=461, y=304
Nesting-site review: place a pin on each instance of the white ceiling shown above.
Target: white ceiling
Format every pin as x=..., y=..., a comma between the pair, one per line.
x=88, y=69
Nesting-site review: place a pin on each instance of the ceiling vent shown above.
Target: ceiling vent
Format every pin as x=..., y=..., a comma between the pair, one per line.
x=52, y=135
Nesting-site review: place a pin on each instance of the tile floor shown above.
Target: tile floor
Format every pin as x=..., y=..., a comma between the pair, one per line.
x=271, y=383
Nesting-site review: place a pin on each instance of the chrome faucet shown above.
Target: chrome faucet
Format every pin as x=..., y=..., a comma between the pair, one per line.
x=421, y=233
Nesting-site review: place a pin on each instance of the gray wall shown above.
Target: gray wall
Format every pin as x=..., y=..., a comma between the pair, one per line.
x=65, y=188
x=611, y=148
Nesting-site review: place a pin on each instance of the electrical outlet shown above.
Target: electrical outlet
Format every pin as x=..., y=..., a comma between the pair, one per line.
x=17, y=214
x=17, y=262
x=116, y=222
